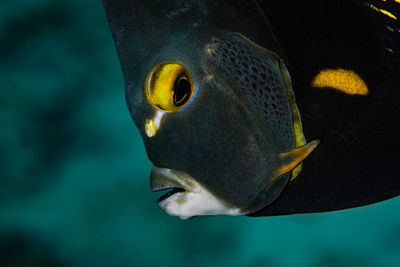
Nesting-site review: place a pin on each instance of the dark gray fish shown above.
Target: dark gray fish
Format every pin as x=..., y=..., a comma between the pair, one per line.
x=210, y=86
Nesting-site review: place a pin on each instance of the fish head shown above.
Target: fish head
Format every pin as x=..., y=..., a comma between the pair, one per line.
x=213, y=110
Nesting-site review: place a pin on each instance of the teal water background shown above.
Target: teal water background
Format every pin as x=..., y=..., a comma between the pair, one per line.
x=74, y=176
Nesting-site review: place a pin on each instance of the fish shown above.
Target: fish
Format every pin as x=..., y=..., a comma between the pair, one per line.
x=263, y=108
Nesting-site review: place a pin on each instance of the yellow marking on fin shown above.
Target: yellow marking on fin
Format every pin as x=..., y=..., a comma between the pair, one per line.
x=373, y=7
x=296, y=171
x=398, y=1
x=387, y=13
x=297, y=127
x=346, y=81
x=293, y=158
x=390, y=28
x=300, y=140
x=384, y=12
x=389, y=50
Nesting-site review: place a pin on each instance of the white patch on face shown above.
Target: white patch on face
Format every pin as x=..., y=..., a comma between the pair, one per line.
x=196, y=201
x=152, y=125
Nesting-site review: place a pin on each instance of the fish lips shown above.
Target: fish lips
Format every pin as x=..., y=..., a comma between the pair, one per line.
x=164, y=179
x=188, y=198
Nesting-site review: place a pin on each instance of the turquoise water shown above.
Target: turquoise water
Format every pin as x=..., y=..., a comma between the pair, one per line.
x=74, y=176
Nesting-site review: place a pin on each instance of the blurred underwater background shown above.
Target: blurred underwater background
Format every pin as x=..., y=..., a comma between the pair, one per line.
x=74, y=175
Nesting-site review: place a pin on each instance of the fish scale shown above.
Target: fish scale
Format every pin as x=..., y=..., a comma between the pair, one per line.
x=257, y=78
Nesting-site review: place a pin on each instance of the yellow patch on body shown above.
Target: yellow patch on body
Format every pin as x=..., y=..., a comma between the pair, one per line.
x=346, y=81
x=389, y=50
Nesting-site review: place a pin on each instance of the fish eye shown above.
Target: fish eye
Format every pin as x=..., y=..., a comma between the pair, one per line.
x=169, y=87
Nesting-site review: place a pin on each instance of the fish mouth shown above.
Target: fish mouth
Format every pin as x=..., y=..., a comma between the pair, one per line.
x=170, y=193
x=186, y=197
x=164, y=179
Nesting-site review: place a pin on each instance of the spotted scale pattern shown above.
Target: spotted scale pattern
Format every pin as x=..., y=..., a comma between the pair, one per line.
x=256, y=79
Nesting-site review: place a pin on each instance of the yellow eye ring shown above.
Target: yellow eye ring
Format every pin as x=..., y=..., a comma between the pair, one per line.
x=169, y=87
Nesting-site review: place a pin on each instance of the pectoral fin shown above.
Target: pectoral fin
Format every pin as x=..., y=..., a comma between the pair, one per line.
x=291, y=159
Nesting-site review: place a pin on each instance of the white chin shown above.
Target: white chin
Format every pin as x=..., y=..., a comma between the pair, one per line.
x=197, y=202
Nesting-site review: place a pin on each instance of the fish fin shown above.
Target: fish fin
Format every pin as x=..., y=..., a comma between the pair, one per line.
x=297, y=125
x=350, y=168
x=320, y=41
x=289, y=160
